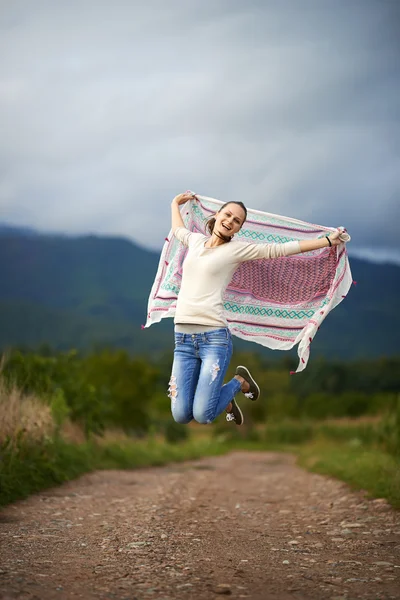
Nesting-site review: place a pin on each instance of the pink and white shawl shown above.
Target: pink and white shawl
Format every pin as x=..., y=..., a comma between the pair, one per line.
x=277, y=303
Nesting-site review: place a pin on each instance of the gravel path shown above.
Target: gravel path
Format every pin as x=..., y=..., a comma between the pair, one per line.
x=245, y=525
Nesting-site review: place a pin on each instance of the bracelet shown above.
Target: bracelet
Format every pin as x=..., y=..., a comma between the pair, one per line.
x=327, y=237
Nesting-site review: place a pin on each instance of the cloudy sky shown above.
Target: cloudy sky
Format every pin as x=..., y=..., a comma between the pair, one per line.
x=109, y=109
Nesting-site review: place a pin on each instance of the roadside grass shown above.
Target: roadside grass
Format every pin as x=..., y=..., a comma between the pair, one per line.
x=40, y=447
x=27, y=466
x=369, y=469
x=19, y=413
x=352, y=450
x=363, y=430
x=362, y=452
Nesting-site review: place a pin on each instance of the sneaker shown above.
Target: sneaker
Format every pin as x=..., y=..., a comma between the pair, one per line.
x=254, y=391
x=235, y=414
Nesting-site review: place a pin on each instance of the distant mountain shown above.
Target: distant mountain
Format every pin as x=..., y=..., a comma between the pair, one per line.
x=92, y=291
x=75, y=292
x=17, y=231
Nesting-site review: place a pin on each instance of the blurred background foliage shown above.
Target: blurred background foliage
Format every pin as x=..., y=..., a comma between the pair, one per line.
x=66, y=413
x=112, y=389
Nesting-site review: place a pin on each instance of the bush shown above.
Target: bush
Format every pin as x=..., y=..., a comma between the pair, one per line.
x=29, y=466
x=59, y=410
x=99, y=390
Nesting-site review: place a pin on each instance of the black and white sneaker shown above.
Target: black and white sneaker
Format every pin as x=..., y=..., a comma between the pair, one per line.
x=254, y=391
x=235, y=414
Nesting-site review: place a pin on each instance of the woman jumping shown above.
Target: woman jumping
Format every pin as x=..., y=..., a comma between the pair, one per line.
x=203, y=342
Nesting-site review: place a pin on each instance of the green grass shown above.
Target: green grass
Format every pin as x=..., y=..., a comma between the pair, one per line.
x=368, y=469
x=352, y=450
x=32, y=467
x=340, y=430
x=27, y=468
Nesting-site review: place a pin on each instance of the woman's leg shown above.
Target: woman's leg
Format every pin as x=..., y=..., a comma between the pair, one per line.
x=211, y=396
x=184, y=378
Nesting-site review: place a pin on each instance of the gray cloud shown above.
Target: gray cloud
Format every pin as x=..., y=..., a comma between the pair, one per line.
x=109, y=109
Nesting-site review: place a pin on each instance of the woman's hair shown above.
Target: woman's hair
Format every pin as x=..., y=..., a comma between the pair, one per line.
x=211, y=220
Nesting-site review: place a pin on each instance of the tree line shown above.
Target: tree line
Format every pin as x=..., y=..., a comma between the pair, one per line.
x=111, y=388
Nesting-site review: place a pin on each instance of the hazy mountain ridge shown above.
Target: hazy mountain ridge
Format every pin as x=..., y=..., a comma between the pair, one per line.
x=90, y=290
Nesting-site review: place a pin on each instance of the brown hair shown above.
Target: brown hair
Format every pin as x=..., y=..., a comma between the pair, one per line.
x=211, y=220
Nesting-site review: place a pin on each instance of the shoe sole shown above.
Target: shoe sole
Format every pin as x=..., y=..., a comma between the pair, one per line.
x=252, y=381
x=237, y=407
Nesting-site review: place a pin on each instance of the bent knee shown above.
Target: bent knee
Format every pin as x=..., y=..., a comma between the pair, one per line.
x=180, y=415
x=181, y=418
x=202, y=417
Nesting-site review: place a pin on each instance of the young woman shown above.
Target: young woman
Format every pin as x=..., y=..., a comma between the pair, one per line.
x=203, y=344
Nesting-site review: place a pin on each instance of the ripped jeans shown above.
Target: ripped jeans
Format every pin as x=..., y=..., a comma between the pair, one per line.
x=196, y=386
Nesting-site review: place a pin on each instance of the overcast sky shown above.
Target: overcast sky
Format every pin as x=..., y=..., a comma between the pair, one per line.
x=109, y=109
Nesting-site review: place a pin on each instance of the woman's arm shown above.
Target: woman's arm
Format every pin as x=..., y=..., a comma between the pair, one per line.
x=244, y=252
x=309, y=245
x=176, y=218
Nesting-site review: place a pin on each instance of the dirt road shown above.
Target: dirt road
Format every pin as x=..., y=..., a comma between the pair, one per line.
x=245, y=525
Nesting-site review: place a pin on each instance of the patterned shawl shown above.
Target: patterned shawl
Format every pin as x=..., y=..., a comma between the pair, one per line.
x=277, y=303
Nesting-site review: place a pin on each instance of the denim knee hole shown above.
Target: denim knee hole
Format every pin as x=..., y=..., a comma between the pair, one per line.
x=172, y=389
x=214, y=371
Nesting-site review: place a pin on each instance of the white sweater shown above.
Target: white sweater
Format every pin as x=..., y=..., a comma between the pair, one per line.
x=207, y=272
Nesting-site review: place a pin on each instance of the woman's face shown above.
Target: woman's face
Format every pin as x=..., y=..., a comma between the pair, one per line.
x=229, y=220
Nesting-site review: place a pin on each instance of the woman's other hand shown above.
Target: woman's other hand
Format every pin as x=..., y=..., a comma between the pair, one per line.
x=183, y=198
x=177, y=220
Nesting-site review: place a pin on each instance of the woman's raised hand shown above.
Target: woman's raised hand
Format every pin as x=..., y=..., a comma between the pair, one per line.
x=177, y=220
x=335, y=236
x=183, y=198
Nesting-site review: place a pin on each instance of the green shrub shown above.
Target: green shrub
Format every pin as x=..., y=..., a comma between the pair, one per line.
x=28, y=466
x=59, y=410
x=105, y=389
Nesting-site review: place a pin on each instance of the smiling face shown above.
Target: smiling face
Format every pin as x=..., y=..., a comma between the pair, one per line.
x=229, y=220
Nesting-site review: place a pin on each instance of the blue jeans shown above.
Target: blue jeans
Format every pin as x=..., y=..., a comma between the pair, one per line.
x=196, y=386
